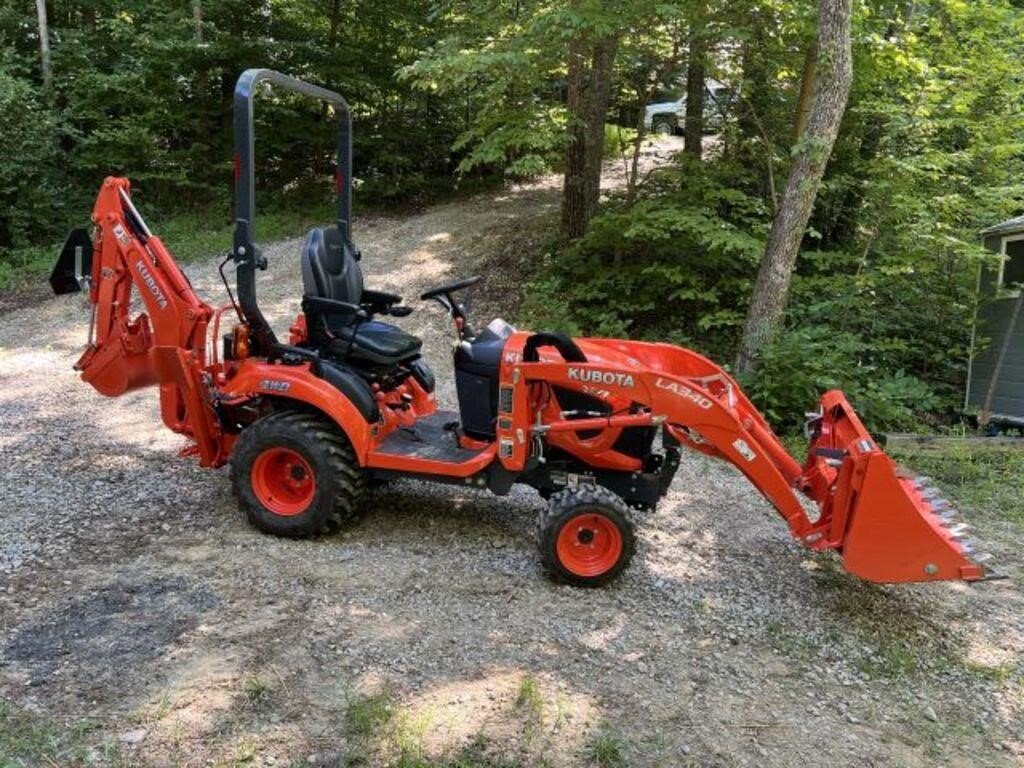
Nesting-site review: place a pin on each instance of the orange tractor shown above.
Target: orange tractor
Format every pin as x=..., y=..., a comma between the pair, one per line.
x=594, y=425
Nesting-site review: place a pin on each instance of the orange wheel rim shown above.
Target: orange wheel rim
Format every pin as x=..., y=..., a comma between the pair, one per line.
x=589, y=544
x=283, y=481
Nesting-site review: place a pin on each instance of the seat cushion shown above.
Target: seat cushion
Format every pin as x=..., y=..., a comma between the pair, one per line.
x=374, y=341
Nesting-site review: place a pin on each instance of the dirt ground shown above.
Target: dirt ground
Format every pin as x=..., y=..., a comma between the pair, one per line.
x=144, y=622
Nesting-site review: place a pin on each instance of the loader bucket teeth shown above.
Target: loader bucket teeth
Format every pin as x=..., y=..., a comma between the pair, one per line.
x=901, y=530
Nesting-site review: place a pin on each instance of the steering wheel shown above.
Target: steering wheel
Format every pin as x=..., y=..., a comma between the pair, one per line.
x=458, y=285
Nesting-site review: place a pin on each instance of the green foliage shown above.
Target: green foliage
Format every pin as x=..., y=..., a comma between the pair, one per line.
x=669, y=267
x=366, y=715
x=258, y=691
x=30, y=173
x=508, y=66
x=805, y=362
x=137, y=92
x=618, y=141
x=883, y=298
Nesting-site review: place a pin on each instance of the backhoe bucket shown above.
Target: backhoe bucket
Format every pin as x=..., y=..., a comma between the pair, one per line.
x=889, y=525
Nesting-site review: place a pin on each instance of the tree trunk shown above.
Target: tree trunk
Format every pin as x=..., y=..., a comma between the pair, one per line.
x=599, y=94
x=589, y=91
x=803, y=105
x=696, y=74
x=755, y=102
x=812, y=152
x=574, y=213
x=335, y=20
x=44, y=44
x=197, y=20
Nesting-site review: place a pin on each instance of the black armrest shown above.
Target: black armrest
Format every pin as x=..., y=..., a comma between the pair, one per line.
x=321, y=306
x=380, y=298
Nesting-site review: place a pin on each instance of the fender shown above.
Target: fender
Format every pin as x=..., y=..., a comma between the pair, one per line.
x=299, y=383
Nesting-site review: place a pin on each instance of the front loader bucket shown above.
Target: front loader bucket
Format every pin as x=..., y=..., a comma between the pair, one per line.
x=900, y=530
x=889, y=525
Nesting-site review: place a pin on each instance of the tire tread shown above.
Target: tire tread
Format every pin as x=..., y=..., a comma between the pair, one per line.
x=319, y=435
x=563, y=505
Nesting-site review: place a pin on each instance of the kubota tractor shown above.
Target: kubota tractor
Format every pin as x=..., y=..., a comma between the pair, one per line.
x=595, y=425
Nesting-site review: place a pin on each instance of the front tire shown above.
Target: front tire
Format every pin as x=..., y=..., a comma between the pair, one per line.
x=295, y=474
x=663, y=127
x=586, y=536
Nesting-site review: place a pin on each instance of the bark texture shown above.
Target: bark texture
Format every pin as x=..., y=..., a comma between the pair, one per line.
x=197, y=20
x=589, y=91
x=44, y=44
x=696, y=74
x=834, y=74
x=803, y=106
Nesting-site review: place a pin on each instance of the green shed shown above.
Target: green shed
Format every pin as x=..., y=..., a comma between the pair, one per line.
x=995, y=377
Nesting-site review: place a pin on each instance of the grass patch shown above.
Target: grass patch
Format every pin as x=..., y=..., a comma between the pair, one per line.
x=477, y=754
x=366, y=715
x=529, y=699
x=28, y=740
x=998, y=675
x=605, y=749
x=988, y=480
x=258, y=691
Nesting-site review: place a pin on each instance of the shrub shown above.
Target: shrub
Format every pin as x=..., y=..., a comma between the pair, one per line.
x=29, y=173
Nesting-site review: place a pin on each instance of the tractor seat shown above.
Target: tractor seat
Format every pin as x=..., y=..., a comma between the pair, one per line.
x=374, y=342
x=330, y=270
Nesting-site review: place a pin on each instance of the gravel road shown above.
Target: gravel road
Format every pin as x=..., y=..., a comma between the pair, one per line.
x=133, y=595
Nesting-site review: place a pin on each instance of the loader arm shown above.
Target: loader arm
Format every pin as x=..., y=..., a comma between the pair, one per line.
x=887, y=526
x=164, y=345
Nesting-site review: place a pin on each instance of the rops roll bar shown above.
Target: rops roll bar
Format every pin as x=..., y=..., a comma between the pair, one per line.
x=246, y=255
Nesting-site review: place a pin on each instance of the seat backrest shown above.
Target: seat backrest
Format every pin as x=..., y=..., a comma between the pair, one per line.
x=329, y=267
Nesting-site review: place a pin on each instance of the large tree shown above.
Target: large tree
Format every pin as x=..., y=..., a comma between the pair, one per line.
x=696, y=76
x=589, y=88
x=832, y=81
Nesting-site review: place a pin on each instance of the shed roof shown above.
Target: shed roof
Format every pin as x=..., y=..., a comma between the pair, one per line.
x=1008, y=227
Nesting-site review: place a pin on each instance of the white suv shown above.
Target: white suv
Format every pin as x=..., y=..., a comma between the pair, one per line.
x=668, y=117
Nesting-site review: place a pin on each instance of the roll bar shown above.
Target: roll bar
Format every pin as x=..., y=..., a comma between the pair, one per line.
x=246, y=255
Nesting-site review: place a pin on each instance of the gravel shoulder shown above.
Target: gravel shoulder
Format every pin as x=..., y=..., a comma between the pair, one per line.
x=135, y=599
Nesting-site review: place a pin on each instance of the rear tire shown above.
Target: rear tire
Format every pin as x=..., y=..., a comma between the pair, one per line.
x=586, y=536
x=295, y=474
x=663, y=127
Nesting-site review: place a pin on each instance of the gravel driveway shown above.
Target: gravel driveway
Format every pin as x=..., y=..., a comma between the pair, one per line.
x=134, y=596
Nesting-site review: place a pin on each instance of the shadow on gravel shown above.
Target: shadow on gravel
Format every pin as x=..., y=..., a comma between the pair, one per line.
x=97, y=640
